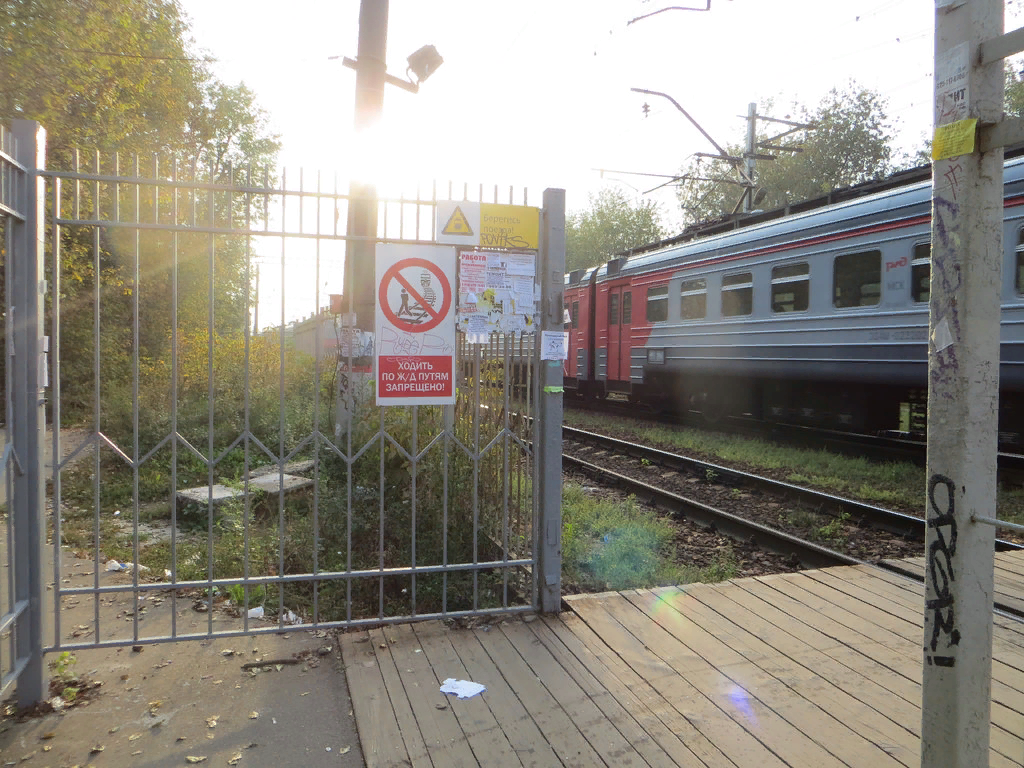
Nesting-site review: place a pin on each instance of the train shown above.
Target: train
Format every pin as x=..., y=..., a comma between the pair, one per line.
x=815, y=314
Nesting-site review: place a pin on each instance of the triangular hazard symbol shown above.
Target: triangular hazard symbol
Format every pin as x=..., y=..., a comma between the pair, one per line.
x=457, y=224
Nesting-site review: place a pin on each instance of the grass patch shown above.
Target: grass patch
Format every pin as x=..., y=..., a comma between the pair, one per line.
x=622, y=545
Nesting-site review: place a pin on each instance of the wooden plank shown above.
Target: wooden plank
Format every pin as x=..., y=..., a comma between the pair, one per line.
x=561, y=732
x=1006, y=723
x=743, y=703
x=379, y=733
x=663, y=721
x=725, y=646
x=446, y=743
x=489, y=744
x=518, y=726
x=626, y=720
x=607, y=737
x=713, y=722
x=809, y=673
x=415, y=744
x=870, y=656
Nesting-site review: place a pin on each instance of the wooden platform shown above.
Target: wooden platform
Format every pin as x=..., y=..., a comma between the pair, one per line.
x=819, y=668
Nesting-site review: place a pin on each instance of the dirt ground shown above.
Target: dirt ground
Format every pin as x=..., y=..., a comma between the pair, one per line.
x=168, y=702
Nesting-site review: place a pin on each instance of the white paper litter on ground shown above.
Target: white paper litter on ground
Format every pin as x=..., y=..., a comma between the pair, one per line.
x=256, y=613
x=464, y=689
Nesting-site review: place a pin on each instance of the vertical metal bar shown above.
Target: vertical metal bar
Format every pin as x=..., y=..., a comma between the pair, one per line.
x=29, y=418
x=55, y=405
x=380, y=531
x=246, y=402
x=318, y=357
x=97, y=390
x=174, y=397
x=963, y=395
x=548, y=424
x=412, y=502
x=476, y=472
x=280, y=425
x=210, y=390
x=12, y=193
x=136, y=280
x=506, y=427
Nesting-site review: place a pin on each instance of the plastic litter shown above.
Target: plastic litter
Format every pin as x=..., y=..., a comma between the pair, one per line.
x=291, y=618
x=464, y=689
x=256, y=613
x=113, y=565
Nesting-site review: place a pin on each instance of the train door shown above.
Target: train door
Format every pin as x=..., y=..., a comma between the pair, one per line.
x=620, y=320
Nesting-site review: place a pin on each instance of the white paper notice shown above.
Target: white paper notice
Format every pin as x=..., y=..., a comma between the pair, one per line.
x=554, y=345
x=520, y=264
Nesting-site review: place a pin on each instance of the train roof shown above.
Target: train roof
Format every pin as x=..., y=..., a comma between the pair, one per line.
x=899, y=197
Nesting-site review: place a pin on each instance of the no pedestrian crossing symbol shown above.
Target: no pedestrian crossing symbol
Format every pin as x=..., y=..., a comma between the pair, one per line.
x=415, y=340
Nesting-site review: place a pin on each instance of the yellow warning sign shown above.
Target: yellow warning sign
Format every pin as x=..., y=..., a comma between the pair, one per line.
x=457, y=224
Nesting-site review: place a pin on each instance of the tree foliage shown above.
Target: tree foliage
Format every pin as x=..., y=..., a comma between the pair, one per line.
x=849, y=144
x=118, y=78
x=611, y=225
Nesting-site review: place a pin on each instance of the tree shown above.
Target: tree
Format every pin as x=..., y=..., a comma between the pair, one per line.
x=849, y=144
x=612, y=224
x=120, y=77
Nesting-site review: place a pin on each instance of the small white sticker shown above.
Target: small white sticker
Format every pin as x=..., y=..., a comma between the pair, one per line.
x=554, y=345
x=941, y=337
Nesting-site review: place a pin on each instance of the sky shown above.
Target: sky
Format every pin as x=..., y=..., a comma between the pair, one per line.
x=536, y=93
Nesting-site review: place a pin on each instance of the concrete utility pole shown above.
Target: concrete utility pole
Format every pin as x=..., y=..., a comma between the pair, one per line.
x=371, y=71
x=748, y=155
x=963, y=388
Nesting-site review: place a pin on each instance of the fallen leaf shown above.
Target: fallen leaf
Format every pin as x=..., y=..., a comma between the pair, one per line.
x=135, y=737
x=253, y=715
x=180, y=738
x=304, y=694
x=279, y=667
x=136, y=752
x=47, y=748
x=235, y=759
x=48, y=735
x=193, y=759
x=344, y=750
x=96, y=749
x=211, y=722
x=217, y=682
x=210, y=736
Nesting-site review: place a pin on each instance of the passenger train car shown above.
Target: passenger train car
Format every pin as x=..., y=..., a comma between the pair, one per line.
x=815, y=317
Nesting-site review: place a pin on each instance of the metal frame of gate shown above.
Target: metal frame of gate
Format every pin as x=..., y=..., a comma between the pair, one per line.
x=514, y=564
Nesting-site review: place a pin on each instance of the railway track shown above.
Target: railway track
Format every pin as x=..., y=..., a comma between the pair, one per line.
x=737, y=526
x=875, y=447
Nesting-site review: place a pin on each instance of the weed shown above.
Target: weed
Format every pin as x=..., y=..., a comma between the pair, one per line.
x=710, y=475
x=645, y=462
x=833, y=531
x=62, y=666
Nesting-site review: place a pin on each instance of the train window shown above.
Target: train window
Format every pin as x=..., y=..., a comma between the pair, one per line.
x=694, y=299
x=627, y=308
x=737, y=294
x=921, y=272
x=857, y=279
x=791, y=287
x=1019, y=280
x=657, y=304
x=575, y=314
x=613, y=309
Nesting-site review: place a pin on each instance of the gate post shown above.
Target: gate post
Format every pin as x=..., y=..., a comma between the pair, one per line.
x=28, y=507
x=548, y=434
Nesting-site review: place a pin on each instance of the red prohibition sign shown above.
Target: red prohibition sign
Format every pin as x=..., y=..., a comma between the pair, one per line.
x=394, y=272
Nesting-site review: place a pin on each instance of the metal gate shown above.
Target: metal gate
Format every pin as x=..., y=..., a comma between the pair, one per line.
x=205, y=463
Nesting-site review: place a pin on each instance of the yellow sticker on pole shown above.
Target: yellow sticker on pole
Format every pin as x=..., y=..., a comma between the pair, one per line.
x=954, y=139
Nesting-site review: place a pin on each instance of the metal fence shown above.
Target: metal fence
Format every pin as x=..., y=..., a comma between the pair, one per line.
x=203, y=467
